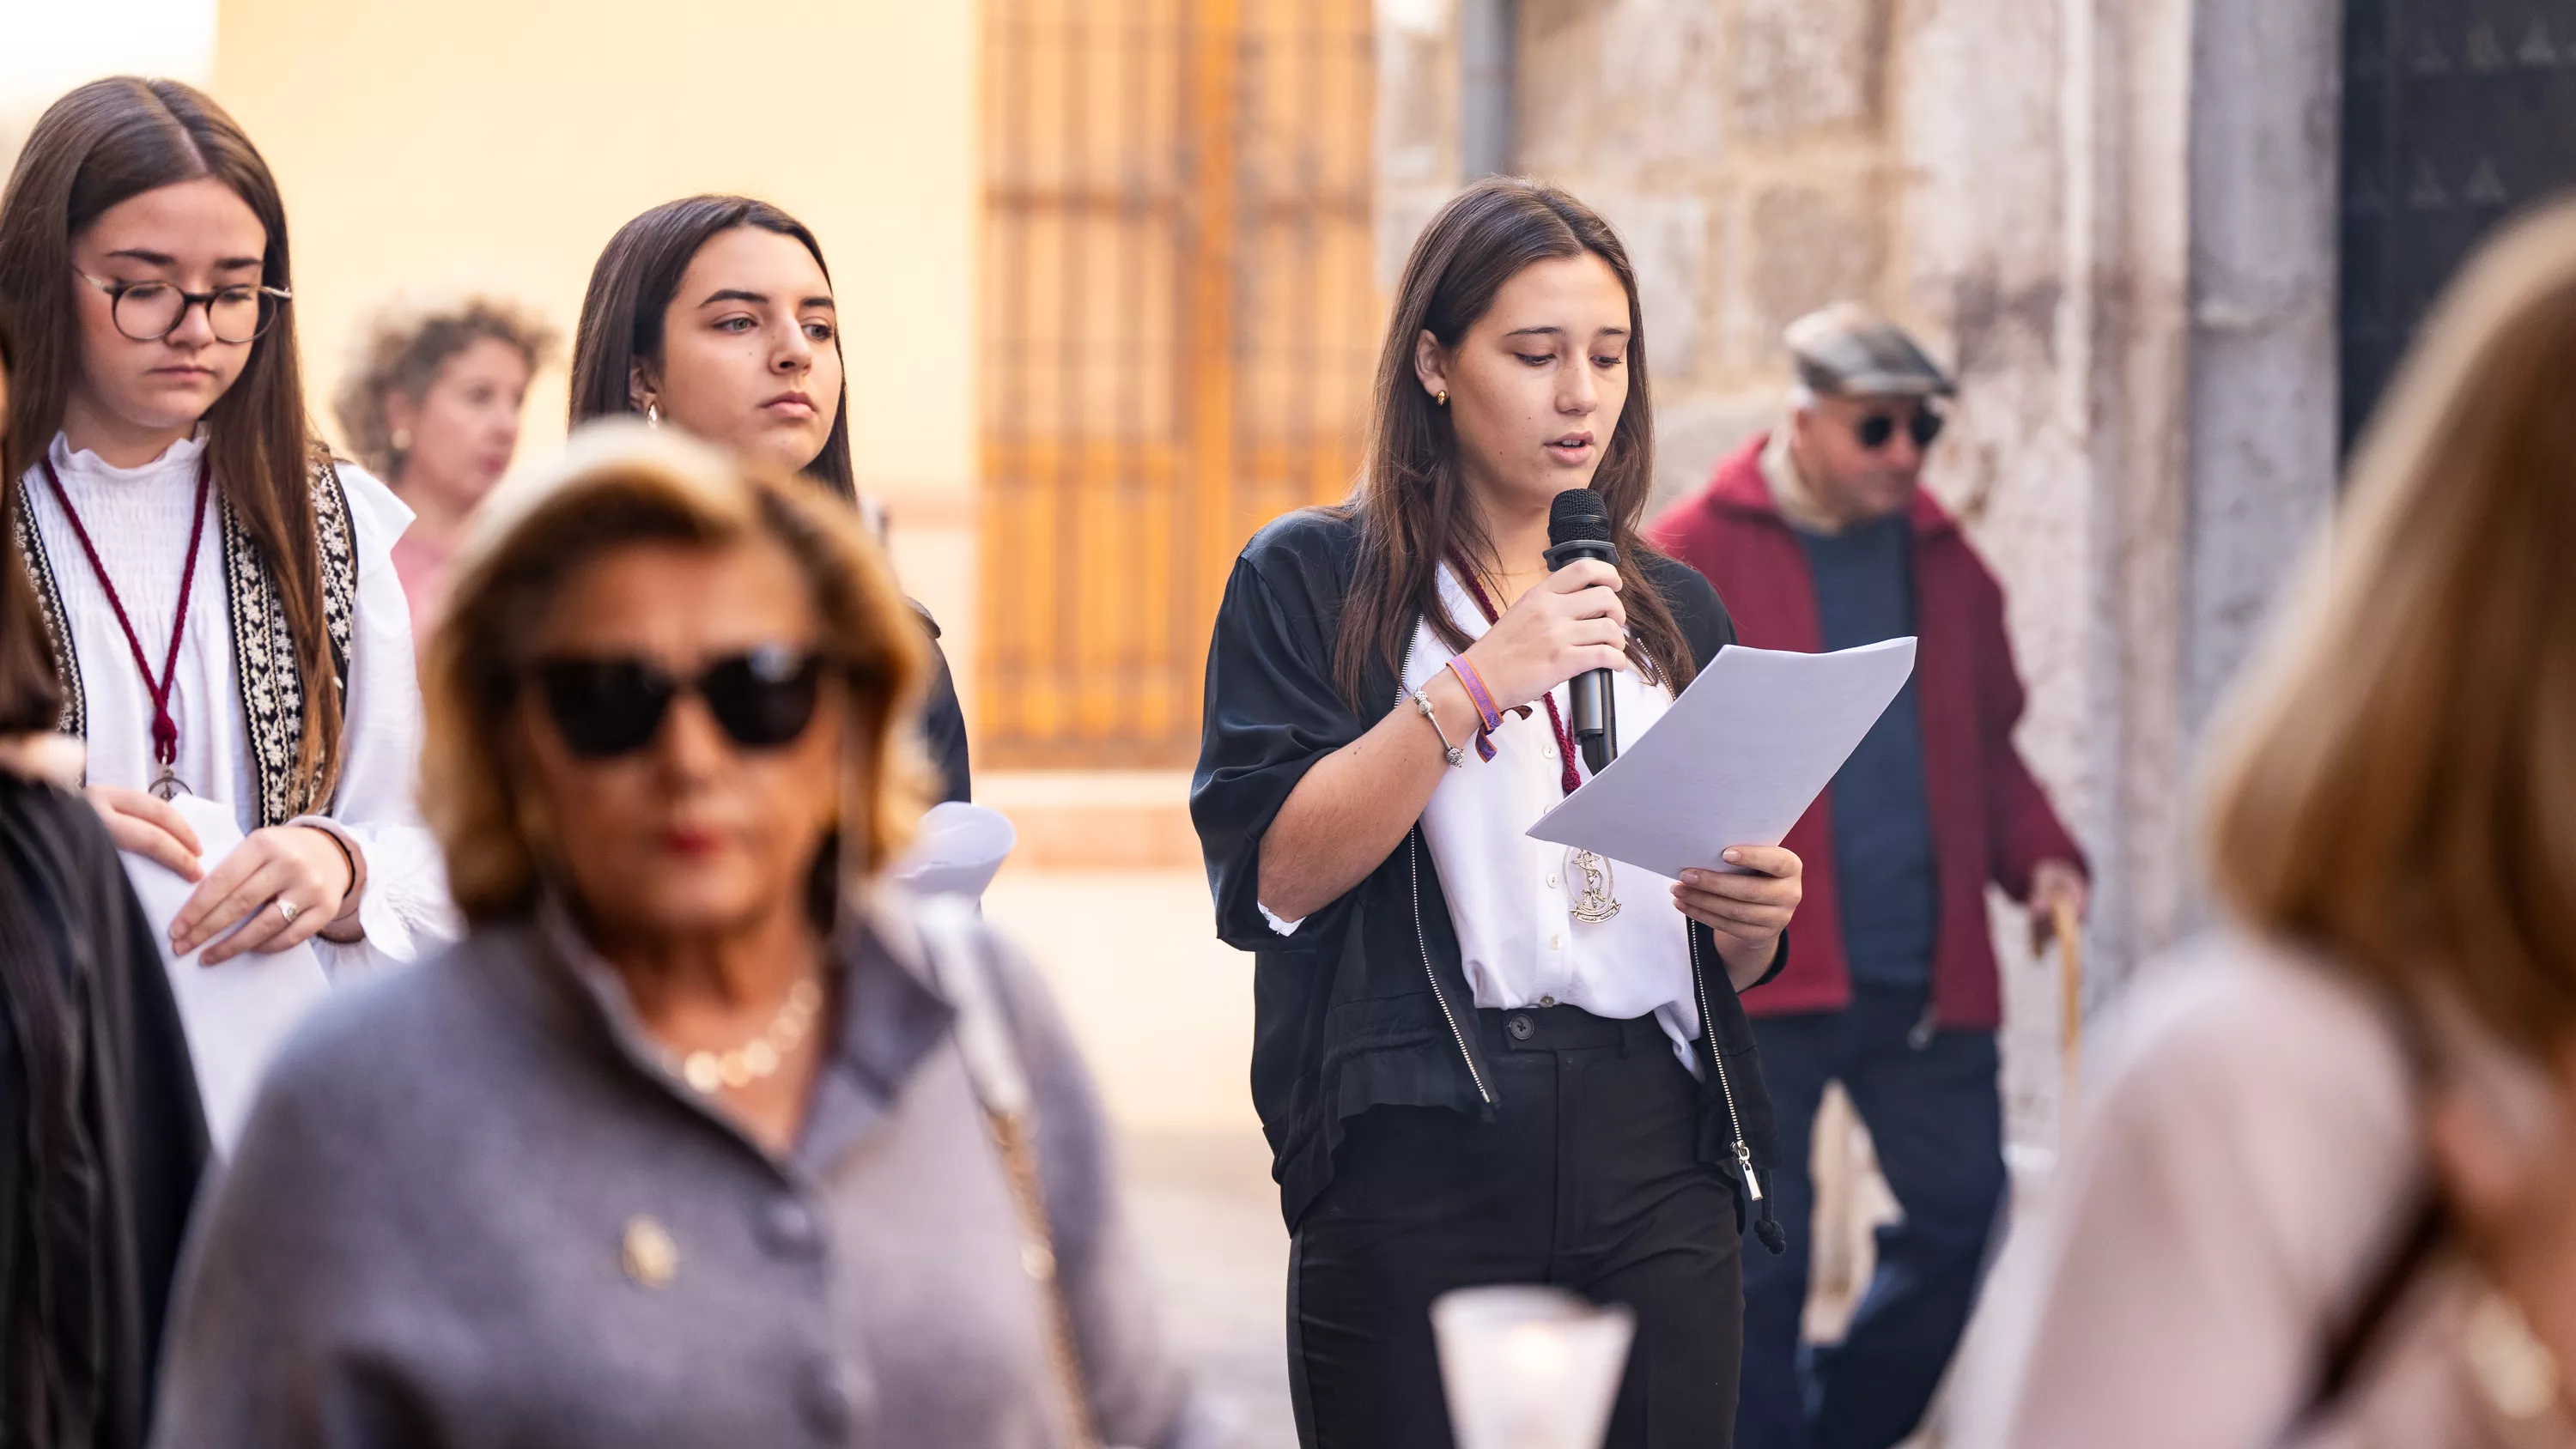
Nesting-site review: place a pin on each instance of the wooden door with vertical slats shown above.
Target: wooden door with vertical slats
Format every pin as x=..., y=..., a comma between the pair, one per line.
x=1179, y=326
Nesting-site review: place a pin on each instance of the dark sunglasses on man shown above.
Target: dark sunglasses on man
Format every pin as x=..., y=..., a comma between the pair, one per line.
x=1876, y=430
x=608, y=706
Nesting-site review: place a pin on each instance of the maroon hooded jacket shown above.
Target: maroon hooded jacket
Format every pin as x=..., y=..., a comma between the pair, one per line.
x=1990, y=820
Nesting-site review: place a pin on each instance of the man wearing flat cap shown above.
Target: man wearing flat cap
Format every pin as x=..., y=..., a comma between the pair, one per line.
x=1820, y=536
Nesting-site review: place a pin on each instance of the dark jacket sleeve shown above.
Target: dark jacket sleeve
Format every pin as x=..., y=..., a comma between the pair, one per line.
x=943, y=729
x=1272, y=712
x=943, y=721
x=2023, y=827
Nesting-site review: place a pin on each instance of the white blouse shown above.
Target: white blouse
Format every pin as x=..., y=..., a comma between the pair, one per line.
x=139, y=518
x=1513, y=898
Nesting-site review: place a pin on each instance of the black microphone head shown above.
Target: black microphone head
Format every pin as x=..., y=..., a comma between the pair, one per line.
x=1578, y=515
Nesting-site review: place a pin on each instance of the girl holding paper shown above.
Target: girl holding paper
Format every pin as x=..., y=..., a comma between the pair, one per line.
x=1480, y=1058
x=217, y=591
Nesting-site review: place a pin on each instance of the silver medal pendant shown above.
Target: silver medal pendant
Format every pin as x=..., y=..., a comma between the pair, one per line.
x=167, y=785
x=1589, y=875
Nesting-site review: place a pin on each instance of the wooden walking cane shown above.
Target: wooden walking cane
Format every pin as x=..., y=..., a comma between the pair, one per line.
x=2070, y=996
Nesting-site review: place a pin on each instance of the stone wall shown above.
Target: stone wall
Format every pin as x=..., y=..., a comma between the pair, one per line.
x=1743, y=150
x=2113, y=217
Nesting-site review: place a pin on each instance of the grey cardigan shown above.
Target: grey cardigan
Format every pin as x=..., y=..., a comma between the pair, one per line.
x=443, y=1222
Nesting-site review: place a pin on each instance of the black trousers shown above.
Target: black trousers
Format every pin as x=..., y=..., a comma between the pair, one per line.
x=1934, y=1114
x=1587, y=1181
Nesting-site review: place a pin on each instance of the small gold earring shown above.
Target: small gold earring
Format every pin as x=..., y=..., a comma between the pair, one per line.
x=1441, y=398
x=402, y=440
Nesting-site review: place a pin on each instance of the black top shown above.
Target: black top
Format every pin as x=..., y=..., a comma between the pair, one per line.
x=1882, y=820
x=101, y=1135
x=1362, y=1006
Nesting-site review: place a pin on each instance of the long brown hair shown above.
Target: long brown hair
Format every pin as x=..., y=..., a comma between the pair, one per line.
x=2395, y=782
x=29, y=694
x=631, y=286
x=102, y=144
x=1410, y=501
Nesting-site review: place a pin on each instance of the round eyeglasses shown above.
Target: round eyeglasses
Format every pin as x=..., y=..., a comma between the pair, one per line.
x=151, y=311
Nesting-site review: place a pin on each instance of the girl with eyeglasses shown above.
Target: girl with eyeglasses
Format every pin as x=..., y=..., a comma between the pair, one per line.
x=216, y=589
x=714, y=315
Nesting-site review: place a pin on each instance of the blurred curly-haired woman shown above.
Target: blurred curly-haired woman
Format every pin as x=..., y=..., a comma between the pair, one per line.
x=431, y=404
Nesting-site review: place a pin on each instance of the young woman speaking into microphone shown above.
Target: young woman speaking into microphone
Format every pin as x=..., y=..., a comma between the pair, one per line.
x=1480, y=1058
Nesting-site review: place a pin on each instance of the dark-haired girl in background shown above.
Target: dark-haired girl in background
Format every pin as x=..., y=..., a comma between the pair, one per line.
x=1481, y=1059
x=101, y=1140
x=714, y=314
x=219, y=594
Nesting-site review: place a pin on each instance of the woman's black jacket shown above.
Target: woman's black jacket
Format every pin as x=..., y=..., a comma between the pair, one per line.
x=1367, y=1004
x=101, y=1136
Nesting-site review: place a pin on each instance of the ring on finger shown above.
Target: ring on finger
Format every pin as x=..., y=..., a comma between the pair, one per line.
x=287, y=909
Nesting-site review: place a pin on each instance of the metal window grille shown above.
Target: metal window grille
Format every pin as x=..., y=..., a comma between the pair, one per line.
x=1180, y=322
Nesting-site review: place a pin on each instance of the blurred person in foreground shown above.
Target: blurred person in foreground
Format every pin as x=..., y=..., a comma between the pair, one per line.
x=101, y=1139
x=2327, y=1193
x=715, y=314
x=1819, y=536
x=431, y=405
x=682, y=1145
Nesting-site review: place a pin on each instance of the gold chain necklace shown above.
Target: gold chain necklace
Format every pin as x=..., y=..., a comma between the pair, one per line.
x=738, y=1067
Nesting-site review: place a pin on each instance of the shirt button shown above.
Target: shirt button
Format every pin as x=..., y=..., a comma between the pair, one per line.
x=1556, y=943
x=788, y=1230
x=1547, y=1001
x=1551, y=882
x=1548, y=750
x=825, y=1403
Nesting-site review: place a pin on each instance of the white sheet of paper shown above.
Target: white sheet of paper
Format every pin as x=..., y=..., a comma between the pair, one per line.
x=957, y=851
x=237, y=1013
x=1736, y=760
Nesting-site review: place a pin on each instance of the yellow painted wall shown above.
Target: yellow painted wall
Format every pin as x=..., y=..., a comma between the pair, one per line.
x=501, y=142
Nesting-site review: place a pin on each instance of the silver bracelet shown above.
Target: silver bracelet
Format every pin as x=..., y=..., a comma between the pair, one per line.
x=1456, y=756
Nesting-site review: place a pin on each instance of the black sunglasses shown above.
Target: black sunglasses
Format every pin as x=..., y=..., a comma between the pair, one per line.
x=1876, y=429
x=605, y=707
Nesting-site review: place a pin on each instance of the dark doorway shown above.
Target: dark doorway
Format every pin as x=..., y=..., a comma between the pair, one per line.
x=2455, y=113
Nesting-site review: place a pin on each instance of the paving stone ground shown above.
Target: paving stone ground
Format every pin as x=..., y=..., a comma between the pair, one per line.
x=1208, y=1216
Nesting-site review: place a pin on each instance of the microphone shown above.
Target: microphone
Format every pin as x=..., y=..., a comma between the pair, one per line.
x=1578, y=526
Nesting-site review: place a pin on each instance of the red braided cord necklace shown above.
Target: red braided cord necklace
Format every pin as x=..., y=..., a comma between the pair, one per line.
x=165, y=728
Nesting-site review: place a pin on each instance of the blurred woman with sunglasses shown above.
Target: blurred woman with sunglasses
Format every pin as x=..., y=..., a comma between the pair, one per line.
x=101, y=1142
x=686, y=1144
x=714, y=314
x=217, y=592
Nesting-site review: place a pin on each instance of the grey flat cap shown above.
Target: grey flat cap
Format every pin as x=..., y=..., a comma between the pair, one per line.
x=1848, y=349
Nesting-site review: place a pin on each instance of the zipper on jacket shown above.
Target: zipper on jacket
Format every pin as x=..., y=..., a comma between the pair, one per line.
x=1413, y=861
x=1717, y=1059
x=1413, y=865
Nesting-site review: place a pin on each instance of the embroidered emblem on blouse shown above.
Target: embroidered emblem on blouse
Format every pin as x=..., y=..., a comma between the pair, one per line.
x=264, y=665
